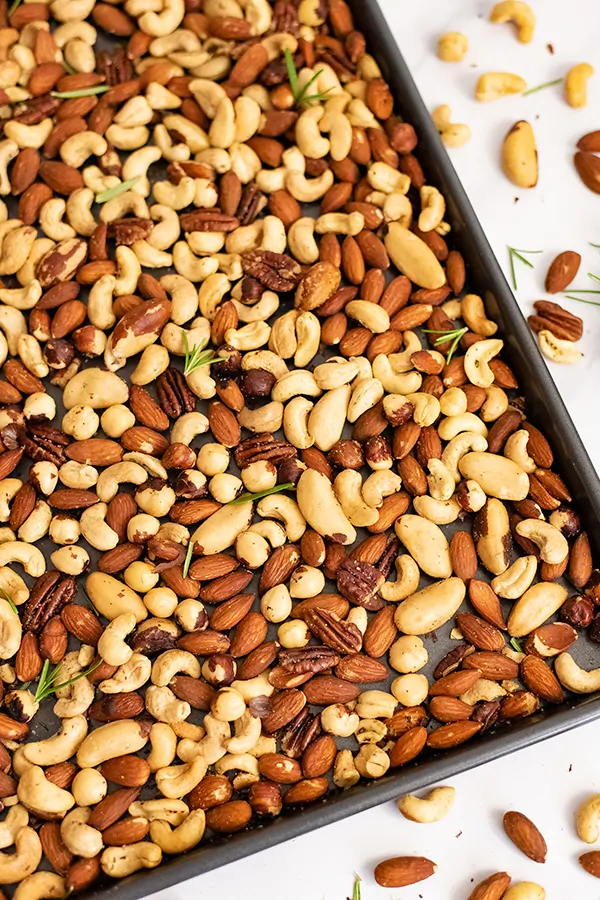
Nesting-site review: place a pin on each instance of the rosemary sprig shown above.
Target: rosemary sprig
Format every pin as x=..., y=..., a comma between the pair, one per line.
x=541, y=87
x=452, y=334
x=14, y=6
x=47, y=683
x=188, y=559
x=516, y=645
x=10, y=601
x=581, y=299
x=244, y=498
x=82, y=92
x=300, y=94
x=117, y=190
x=196, y=357
x=356, y=888
x=512, y=253
x=594, y=277
x=596, y=246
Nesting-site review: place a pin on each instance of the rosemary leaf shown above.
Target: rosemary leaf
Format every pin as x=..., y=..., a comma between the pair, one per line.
x=83, y=92
x=512, y=253
x=593, y=277
x=291, y=70
x=596, y=246
x=244, y=498
x=516, y=645
x=188, y=559
x=47, y=685
x=10, y=601
x=541, y=87
x=116, y=191
x=581, y=299
x=15, y=5
x=300, y=94
x=452, y=334
x=356, y=889
x=197, y=356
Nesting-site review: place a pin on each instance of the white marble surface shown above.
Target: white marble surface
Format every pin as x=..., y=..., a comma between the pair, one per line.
x=547, y=781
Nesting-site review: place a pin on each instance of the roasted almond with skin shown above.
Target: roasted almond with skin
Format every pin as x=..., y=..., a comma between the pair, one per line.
x=249, y=634
x=494, y=666
x=525, y=835
x=231, y=816
x=541, y=680
x=361, y=669
x=479, y=632
x=129, y=830
x=452, y=735
x=449, y=709
x=381, y=633
x=95, y=452
x=408, y=746
x=402, y=871
x=109, y=810
x=230, y=613
x=223, y=424
x=562, y=271
x=128, y=770
x=493, y=887
x=455, y=684
x=591, y=862
x=82, y=623
x=213, y=790
x=587, y=166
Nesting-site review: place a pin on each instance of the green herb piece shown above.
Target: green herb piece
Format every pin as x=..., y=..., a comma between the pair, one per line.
x=10, y=601
x=244, y=498
x=13, y=7
x=83, y=92
x=581, y=300
x=452, y=334
x=47, y=683
x=596, y=246
x=188, y=559
x=356, y=889
x=593, y=277
x=25, y=685
x=116, y=191
x=512, y=253
x=516, y=645
x=69, y=68
x=300, y=94
x=197, y=356
x=541, y=87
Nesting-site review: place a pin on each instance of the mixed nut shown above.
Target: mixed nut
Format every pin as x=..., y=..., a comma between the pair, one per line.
x=214, y=618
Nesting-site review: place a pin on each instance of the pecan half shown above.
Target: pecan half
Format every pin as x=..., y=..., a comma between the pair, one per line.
x=208, y=220
x=263, y=447
x=344, y=637
x=277, y=271
x=308, y=659
x=359, y=583
x=252, y=202
x=300, y=733
x=128, y=231
x=174, y=395
x=51, y=592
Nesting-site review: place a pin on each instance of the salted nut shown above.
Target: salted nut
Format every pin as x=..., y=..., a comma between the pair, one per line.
x=275, y=454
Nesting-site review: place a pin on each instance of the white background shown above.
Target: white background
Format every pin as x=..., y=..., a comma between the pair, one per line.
x=548, y=781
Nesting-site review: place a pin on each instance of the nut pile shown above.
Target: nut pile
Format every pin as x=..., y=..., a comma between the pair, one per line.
x=278, y=398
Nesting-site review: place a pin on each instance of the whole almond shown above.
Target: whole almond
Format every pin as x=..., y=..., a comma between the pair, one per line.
x=59, y=856
x=587, y=166
x=452, y=735
x=128, y=770
x=591, y=862
x=455, y=684
x=525, y=835
x=402, y=871
x=194, y=691
x=381, y=633
x=491, y=888
x=306, y=791
x=392, y=507
x=109, y=810
x=319, y=757
x=83, y=873
x=231, y=816
x=230, y=613
x=280, y=768
x=327, y=689
x=146, y=409
x=361, y=669
x=226, y=587
x=492, y=665
x=213, y=790
x=129, y=830
x=479, y=632
x=486, y=602
x=541, y=680
x=82, y=623
x=562, y=271
x=223, y=424
x=95, y=452
x=463, y=555
x=408, y=746
x=249, y=634
x=450, y=709
x=353, y=263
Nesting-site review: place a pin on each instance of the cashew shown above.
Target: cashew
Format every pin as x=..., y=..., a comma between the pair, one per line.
x=534, y=607
x=176, y=781
x=441, y=512
x=328, y=416
x=574, y=678
x=16, y=819
x=452, y=134
x=525, y=890
x=430, y=607
x=494, y=85
x=111, y=646
x=558, y=350
x=28, y=556
x=519, y=13
x=426, y=543
x=286, y=510
x=553, y=546
x=114, y=739
x=14, y=867
x=61, y=746
x=40, y=795
x=152, y=363
x=182, y=838
x=110, y=479
x=515, y=448
x=407, y=580
x=576, y=81
x=513, y=583
x=130, y=676
x=10, y=630
x=119, y=862
x=477, y=358
x=348, y=490
x=89, y=787
x=432, y=808
x=28, y=135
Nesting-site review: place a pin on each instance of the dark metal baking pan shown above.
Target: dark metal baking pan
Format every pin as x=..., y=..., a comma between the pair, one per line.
x=544, y=406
